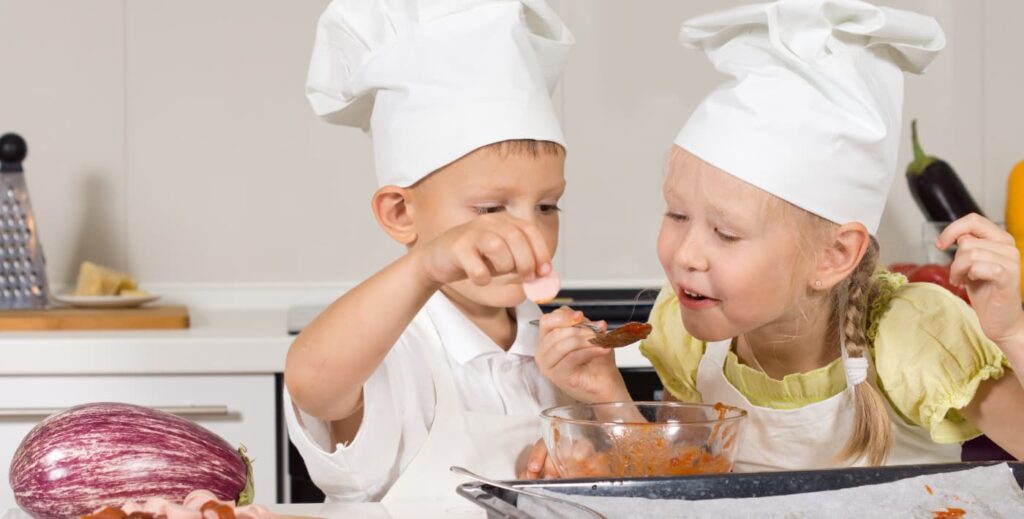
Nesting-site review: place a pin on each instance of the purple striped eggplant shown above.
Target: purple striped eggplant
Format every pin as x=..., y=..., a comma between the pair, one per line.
x=103, y=454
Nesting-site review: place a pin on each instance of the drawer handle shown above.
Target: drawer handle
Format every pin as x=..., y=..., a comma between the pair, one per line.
x=182, y=410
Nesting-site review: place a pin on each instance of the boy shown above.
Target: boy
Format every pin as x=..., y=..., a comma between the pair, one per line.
x=429, y=363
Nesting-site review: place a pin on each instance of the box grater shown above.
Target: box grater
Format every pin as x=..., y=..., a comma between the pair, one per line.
x=22, y=265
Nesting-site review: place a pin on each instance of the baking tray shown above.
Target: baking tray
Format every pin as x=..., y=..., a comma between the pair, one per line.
x=502, y=504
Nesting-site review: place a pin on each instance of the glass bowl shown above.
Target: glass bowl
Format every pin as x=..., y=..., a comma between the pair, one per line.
x=641, y=439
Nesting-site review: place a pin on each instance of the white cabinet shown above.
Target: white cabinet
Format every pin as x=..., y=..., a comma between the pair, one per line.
x=239, y=408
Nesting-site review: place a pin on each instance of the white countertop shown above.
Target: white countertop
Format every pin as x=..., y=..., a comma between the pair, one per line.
x=382, y=510
x=350, y=510
x=223, y=341
x=218, y=342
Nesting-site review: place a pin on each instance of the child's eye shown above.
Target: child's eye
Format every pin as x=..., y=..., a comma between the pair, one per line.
x=676, y=217
x=488, y=209
x=726, y=237
x=548, y=208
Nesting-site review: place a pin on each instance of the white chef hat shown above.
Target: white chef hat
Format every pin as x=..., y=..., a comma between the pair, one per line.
x=433, y=80
x=814, y=112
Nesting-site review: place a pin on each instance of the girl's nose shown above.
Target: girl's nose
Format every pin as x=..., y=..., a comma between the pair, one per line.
x=690, y=254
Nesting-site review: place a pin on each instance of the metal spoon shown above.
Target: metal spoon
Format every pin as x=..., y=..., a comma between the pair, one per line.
x=624, y=335
x=543, y=497
x=590, y=326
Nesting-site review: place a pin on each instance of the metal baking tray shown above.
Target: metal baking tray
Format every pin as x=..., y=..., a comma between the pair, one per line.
x=502, y=503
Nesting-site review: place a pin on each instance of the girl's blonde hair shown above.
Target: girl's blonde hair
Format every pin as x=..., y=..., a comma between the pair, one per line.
x=851, y=302
x=872, y=429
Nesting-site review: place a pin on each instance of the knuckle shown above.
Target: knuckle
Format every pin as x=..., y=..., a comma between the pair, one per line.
x=492, y=244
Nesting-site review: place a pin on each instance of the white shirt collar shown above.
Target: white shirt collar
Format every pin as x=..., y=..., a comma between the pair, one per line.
x=464, y=341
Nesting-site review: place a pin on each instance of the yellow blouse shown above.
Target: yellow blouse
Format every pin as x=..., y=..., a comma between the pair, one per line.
x=928, y=349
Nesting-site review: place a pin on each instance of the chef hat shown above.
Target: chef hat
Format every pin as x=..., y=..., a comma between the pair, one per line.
x=433, y=80
x=814, y=112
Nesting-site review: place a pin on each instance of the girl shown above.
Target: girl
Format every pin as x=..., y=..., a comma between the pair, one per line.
x=774, y=192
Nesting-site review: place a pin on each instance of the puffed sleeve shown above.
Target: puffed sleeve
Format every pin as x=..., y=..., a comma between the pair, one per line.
x=931, y=356
x=674, y=353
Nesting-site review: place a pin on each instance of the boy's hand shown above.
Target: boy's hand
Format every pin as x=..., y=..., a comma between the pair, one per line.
x=565, y=355
x=987, y=262
x=488, y=246
x=539, y=465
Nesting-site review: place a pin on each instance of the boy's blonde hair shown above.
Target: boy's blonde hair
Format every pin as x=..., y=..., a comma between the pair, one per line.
x=530, y=147
x=851, y=301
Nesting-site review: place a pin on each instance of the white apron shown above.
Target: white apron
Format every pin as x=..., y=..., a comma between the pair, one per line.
x=809, y=437
x=492, y=445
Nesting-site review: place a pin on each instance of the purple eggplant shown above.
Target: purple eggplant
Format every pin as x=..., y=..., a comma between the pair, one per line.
x=936, y=188
x=103, y=454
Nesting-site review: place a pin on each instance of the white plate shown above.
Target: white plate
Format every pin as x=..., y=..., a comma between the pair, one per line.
x=105, y=301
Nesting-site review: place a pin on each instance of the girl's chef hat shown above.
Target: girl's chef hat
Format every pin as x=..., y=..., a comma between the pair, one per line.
x=814, y=113
x=433, y=80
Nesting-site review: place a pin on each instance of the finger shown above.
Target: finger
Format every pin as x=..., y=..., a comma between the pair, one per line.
x=969, y=242
x=469, y=260
x=990, y=272
x=582, y=356
x=966, y=260
x=570, y=368
x=519, y=245
x=560, y=318
x=538, y=455
x=582, y=450
x=553, y=345
x=538, y=245
x=559, y=353
x=972, y=224
x=550, y=472
x=495, y=250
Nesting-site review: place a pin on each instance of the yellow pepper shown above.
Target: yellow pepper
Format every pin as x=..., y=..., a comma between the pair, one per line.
x=1015, y=211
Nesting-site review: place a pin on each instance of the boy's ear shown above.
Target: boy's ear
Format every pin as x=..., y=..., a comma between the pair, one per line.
x=391, y=208
x=842, y=256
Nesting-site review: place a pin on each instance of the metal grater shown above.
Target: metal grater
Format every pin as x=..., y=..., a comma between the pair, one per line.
x=22, y=264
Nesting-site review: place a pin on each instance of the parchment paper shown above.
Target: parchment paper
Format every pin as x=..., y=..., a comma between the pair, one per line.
x=988, y=491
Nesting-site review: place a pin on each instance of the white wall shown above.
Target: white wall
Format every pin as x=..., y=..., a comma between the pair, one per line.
x=172, y=138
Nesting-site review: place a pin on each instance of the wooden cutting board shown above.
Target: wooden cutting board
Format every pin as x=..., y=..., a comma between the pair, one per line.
x=145, y=318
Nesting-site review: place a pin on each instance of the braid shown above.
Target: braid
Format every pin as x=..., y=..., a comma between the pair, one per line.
x=871, y=437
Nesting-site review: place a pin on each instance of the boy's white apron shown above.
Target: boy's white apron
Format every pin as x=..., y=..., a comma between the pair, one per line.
x=489, y=444
x=809, y=437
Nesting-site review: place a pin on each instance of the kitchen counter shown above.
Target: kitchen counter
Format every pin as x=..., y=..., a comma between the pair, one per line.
x=360, y=510
x=219, y=342
x=382, y=511
x=226, y=341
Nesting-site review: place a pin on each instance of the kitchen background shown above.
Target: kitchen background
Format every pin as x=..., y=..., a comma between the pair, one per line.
x=172, y=139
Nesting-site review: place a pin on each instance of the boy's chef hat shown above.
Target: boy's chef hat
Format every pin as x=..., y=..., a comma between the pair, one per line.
x=814, y=113
x=433, y=80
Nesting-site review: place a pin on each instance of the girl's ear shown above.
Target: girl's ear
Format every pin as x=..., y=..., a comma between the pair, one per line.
x=842, y=256
x=392, y=209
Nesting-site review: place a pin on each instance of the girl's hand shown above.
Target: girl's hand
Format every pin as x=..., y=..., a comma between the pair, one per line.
x=987, y=263
x=565, y=355
x=487, y=246
x=539, y=465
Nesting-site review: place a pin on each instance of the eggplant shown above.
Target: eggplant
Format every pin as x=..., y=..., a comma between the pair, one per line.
x=102, y=454
x=936, y=188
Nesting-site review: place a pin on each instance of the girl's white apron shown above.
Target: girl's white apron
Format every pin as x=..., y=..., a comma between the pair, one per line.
x=809, y=437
